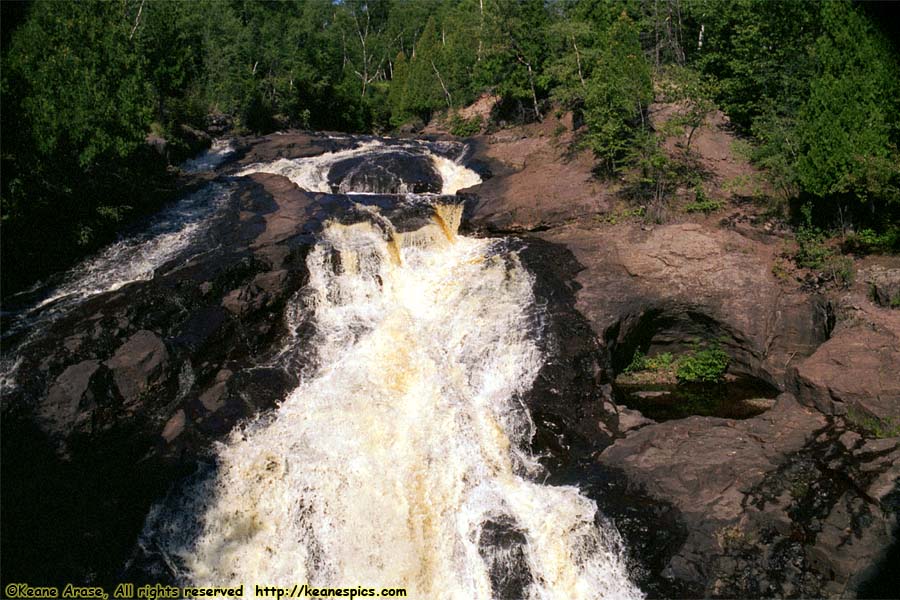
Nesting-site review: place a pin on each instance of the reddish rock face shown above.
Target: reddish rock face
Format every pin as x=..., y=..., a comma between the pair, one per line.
x=797, y=501
x=856, y=371
x=679, y=282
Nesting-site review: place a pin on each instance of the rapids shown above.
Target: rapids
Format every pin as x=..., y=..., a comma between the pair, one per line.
x=312, y=173
x=402, y=459
x=176, y=233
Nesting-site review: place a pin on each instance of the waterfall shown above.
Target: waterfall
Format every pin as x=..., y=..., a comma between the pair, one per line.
x=403, y=460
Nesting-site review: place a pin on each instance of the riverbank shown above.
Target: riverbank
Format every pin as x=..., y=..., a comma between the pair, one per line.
x=800, y=500
x=126, y=393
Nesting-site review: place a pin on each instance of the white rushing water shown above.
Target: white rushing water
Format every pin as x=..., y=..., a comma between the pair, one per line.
x=383, y=467
x=208, y=160
x=136, y=258
x=311, y=173
x=170, y=234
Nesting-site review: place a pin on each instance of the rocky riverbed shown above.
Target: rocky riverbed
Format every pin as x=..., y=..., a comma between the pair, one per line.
x=111, y=401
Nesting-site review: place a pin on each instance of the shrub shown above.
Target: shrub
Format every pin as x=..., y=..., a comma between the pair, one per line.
x=879, y=428
x=707, y=365
x=812, y=252
x=703, y=204
x=461, y=127
x=640, y=362
x=842, y=271
x=867, y=240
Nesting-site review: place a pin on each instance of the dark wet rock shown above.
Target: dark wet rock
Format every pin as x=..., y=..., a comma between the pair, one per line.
x=290, y=144
x=786, y=503
x=770, y=503
x=259, y=293
x=218, y=123
x=385, y=173
x=74, y=397
x=570, y=408
x=139, y=364
x=705, y=467
x=125, y=394
x=193, y=140
x=502, y=546
x=413, y=126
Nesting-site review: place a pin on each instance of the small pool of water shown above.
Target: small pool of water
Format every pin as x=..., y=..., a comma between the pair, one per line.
x=740, y=398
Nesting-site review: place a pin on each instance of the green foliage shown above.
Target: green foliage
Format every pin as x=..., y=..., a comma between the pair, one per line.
x=618, y=94
x=874, y=426
x=703, y=365
x=398, y=90
x=756, y=51
x=815, y=84
x=842, y=271
x=650, y=370
x=812, y=250
x=702, y=204
x=693, y=95
x=868, y=240
x=424, y=92
x=574, y=54
x=700, y=365
x=845, y=125
x=78, y=81
x=654, y=176
x=514, y=53
x=780, y=271
x=465, y=127
x=640, y=362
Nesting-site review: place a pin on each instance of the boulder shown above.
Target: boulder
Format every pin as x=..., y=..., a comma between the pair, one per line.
x=391, y=172
x=138, y=364
x=856, y=370
x=260, y=292
x=72, y=399
x=884, y=285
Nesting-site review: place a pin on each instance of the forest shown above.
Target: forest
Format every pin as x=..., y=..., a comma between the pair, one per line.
x=813, y=87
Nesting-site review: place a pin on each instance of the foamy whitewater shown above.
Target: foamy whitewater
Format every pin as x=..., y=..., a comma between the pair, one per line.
x=218, y=152
x=311, y=174
x=134, y=258
x=172, y=234
x=385, y=465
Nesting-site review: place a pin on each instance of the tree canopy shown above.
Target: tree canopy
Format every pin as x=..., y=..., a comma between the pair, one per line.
x=814, y=86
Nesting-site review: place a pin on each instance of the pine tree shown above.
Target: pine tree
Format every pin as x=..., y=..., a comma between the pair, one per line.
x=425, y=92
x=846, y=124
x=397, y=92
x=618, y=95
